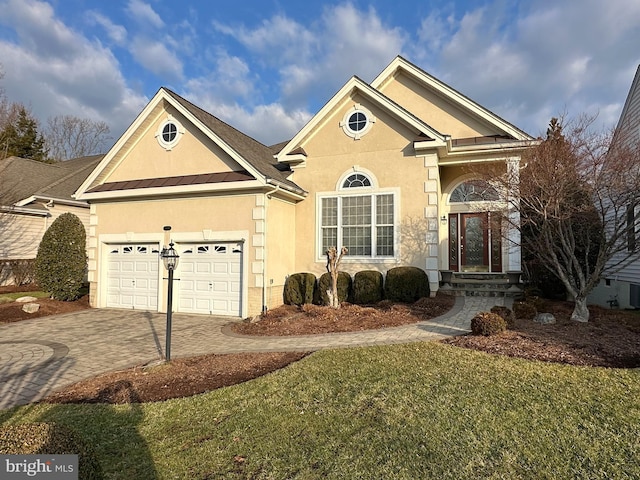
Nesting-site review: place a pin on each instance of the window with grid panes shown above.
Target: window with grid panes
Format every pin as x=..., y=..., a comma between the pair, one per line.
x=364, y=223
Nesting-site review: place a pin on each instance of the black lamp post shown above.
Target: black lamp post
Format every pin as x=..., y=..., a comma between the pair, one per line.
x=170, y=258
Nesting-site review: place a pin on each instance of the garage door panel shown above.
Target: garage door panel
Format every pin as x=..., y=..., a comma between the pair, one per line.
x=203, y=268
x=132, y=276
x=210, y=277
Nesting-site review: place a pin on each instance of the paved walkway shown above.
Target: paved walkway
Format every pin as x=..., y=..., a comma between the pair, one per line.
x=41, y=355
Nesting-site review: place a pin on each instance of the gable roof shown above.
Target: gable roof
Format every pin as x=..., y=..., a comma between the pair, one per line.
x=425, y=131
x=255, y=157
x=630, y=115
x=448, y=92
x=23, y=180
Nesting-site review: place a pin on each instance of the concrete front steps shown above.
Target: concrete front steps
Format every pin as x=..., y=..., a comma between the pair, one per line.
x=481, y=284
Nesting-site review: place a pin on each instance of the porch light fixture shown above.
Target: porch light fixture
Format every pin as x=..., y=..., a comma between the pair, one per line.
x=443, y=219
x=170, y=259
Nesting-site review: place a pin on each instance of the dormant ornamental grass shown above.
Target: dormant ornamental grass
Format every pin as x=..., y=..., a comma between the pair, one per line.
x=410, y=411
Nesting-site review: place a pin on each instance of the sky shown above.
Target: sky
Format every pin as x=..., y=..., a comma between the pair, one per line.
x=267, y=66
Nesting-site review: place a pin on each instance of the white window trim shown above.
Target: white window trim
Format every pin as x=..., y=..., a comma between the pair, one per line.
x=344, y=123
x=362, y=171
x=180, y=131
x=355, y=192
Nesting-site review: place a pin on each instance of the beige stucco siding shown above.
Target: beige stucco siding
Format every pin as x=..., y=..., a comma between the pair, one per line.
x=442, y=115
x=280, y=251
x=385, y=153
x=193, y=154
x=191, y=220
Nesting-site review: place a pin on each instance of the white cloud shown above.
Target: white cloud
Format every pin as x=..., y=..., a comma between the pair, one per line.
x=556, y=57
x=144, y=14
x=156, y=57
x=59, y=72
x=117, y=33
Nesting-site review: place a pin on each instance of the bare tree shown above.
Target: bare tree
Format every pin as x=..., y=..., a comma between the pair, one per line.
x=575, y=195
x=333, y=264
x=68, y=136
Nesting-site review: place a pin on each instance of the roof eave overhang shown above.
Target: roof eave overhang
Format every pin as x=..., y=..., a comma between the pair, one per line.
x=12, y=209
x=176, y=190
x=58, y=200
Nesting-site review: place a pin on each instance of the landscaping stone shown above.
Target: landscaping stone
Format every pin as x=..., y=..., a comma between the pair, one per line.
x=26, y=299
x=30, y=307
x=545, y=318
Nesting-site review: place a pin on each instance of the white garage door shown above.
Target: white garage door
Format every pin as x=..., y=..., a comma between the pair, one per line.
x=210, y=278
x=132, y=276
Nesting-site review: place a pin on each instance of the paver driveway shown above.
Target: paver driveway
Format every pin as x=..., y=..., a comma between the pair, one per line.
x=40, y=355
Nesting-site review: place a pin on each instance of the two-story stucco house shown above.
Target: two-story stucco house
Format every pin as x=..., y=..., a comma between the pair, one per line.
x=385, y=169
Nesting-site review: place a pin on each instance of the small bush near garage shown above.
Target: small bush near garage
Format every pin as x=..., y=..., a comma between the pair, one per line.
x=344, y=288
x=368, y=287
x=50, y=438
x=487, y=324
x=505, y=313
x=406, y=284
x=61, y=261
x=300, y=288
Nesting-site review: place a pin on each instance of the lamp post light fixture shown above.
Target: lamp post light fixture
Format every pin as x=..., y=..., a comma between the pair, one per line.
x=170, y=258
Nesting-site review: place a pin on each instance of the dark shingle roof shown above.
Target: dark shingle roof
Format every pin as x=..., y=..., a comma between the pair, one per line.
x=257, y=154
x=22, y=178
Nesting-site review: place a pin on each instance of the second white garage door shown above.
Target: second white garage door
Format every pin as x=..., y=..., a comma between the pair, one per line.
x=210, y=278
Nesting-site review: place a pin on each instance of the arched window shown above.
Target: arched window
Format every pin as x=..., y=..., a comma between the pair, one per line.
x=474, y=191
x=359, y=216
x=356, y=180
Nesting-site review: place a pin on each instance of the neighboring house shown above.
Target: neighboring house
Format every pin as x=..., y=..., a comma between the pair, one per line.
x=622, y=287
x=387, y=169
x=32, y=195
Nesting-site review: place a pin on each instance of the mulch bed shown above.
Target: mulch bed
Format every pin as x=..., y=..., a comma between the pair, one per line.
x=12, y=312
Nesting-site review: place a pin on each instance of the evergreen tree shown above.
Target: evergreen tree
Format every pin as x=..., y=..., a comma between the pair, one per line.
x=61, y=261
x=20, y=137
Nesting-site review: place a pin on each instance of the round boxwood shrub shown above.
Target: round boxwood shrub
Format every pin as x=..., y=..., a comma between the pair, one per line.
x=368, y=287
x=524, y=310
x=506, y=314
x=324, y=284
x=406, y=284
x=487, y=323
x=61, y=261
x=50, y=438
x=299, y=288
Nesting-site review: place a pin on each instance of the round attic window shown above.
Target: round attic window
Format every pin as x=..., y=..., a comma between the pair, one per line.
x=169, y=133
x=357, y=121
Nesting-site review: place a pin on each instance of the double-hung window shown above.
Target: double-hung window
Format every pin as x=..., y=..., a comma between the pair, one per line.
x=358, y=218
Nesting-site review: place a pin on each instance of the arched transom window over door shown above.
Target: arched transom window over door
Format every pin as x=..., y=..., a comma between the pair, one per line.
x=360, y=217
x=474, y=191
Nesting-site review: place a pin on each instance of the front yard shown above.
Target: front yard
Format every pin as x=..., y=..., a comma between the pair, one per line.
x=422, y=410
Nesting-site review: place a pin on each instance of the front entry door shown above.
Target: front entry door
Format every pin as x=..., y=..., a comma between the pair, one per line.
x=474, y=246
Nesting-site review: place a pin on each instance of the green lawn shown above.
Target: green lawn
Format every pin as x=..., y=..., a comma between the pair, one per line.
x=11, y=297
x=415, y=411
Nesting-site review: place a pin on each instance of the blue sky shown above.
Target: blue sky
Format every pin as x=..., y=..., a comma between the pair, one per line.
x=267, y=66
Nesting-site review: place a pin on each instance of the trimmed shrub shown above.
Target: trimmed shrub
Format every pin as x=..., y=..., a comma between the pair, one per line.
x=487, y=323
x=61, y=262
x=368, y=287
x=406, y=284
x=300, y=288
x=50, y=438
x=524, y=310
x=324, y=284
x=505, y=313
